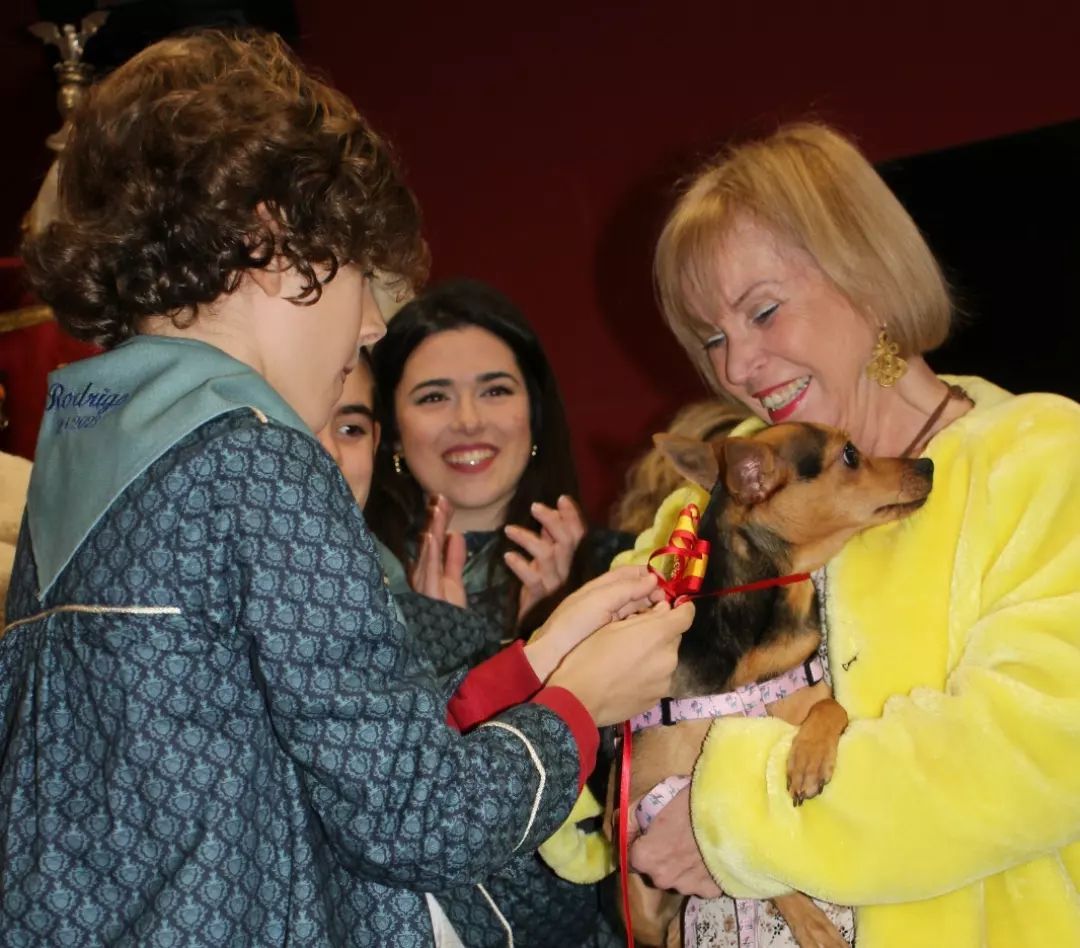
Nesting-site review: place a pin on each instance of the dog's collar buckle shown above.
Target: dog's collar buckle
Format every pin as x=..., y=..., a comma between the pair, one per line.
x=666, y=718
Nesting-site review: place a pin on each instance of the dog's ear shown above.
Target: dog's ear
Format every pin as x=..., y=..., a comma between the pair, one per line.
x=752, y=471
x=694, y=460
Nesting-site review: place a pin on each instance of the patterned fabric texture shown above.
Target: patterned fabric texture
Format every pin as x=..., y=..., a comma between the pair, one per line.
x=451, y=638
x=266, y=764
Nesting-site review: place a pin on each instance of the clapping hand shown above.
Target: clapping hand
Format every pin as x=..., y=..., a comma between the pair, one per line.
x=437, y=571
x=550, y=550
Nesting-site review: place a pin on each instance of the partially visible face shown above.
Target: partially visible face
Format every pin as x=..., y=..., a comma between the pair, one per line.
x=783, y=340
x=352, y=434
x=463, y=422
x=309, y=351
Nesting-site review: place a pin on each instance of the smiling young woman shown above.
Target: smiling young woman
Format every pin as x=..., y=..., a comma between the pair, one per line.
x=471, y=414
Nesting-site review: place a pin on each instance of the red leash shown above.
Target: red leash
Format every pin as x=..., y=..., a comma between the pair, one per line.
x=687, y=574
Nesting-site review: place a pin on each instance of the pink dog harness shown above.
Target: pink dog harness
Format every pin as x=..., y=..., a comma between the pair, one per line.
x=748, y=701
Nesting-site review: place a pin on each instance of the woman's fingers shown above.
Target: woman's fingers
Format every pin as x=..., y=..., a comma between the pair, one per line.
x=572, y=517
x=533, y=586
x=565, y=526
x=525, y=570
x=418, y=576
x=564, y=521
x=532, y=543
x=550, y=550
x=545, y=561
x=452, y=566
x=438, y=520
x=454, y=558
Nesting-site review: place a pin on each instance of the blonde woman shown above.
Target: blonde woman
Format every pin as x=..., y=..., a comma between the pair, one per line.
x=799, y=285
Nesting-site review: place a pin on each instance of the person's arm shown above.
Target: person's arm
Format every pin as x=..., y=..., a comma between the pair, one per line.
x=951, y=785
x=403, y=799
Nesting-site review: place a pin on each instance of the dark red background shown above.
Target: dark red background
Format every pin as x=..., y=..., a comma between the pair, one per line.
x=544, y=140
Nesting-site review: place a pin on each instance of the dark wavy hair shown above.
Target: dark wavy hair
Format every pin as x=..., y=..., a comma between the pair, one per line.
x=396, y=509
x=204, y=156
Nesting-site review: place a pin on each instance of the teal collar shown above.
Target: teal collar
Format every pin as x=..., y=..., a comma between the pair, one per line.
x=110, y=417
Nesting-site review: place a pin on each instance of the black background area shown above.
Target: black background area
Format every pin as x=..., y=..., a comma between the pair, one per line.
x=1003, y=217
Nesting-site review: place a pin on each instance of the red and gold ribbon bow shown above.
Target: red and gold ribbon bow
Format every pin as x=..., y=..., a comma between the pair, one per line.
x=690, y=556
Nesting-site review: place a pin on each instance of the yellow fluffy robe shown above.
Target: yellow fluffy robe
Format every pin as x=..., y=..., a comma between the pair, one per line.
x=953, y=818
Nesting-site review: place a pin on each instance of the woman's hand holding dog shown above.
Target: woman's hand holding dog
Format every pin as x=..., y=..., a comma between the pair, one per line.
x=668, y=853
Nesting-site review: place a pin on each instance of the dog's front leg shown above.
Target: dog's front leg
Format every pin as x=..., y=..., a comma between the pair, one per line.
x=812, y=759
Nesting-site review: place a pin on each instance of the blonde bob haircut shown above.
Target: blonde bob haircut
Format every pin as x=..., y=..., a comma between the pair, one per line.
x=814, y=190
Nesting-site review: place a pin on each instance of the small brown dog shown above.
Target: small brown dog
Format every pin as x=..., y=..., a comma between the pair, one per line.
x=782, y=501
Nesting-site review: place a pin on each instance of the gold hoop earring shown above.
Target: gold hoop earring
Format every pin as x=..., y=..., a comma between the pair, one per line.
x=535, y=450
x=885, y=367
x=397, y=463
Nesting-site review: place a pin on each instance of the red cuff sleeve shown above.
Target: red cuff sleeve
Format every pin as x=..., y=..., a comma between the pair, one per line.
x=504, y=680
x=566, y=705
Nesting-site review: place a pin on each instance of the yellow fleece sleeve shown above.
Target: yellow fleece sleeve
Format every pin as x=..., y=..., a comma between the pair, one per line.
x=575, y=854
x=948, y=784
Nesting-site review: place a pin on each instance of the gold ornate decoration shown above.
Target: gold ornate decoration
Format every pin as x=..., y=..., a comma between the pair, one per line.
x=73, y=74
x=22, y=318
x=885, y=367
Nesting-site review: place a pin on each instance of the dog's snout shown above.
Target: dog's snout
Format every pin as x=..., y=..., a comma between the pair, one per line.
x=925, y=467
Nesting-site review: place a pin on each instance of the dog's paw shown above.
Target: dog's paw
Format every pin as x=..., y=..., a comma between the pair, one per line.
x=810, y=766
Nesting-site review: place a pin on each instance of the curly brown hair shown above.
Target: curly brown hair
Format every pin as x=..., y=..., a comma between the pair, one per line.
x=204, y=156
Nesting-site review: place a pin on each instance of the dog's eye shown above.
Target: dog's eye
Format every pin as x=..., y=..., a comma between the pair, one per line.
x=850, y=455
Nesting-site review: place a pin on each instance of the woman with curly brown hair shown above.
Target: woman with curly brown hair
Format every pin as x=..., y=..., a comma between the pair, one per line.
x=215, y=727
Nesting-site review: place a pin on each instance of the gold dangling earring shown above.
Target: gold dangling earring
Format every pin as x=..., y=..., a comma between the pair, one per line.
x=885, y=367
x=397, y=463
x=534, y=451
